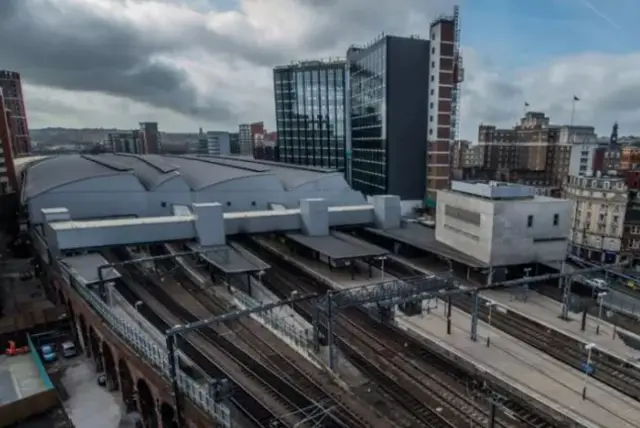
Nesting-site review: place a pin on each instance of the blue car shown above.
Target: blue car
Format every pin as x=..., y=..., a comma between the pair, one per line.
x=48, y=353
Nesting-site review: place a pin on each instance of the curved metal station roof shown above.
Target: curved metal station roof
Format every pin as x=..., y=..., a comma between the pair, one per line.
x=152, y=171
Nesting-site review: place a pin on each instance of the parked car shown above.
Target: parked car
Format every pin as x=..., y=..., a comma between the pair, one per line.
x=48, y=353
x=68, y=349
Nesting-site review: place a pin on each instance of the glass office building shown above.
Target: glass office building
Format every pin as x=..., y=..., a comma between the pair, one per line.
x=367, y=103
x=388, y=89
x=310, y=113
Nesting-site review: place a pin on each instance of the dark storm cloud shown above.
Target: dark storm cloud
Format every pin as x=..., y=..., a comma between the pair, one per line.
x=621, y=99
x=74, y=49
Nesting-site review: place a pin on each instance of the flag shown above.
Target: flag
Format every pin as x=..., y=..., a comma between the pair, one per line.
x=526, y=104
x=575, y=98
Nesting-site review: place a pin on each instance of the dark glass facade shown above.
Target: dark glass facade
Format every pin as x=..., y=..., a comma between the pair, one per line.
x=388, y=89
x=367, y=103
x=310, y=113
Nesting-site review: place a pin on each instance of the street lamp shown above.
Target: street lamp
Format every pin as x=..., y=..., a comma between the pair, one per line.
x=587, y=369
x=490, y=305
x=382, y=259
x=600, y=304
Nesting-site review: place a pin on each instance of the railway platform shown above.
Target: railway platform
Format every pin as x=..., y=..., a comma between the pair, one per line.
x=555, y=388
x=338, y=278
x=547, y=311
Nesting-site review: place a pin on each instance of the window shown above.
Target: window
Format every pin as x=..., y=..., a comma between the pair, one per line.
x=431, y=132
x=433, y=92
x=556, y=219
x=530, y=221
x=433, y=78
x=433, y=64
x=430, y=105
x=430, y=118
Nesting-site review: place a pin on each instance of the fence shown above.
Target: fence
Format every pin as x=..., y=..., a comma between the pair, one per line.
x=149, y=350
x=301, y=338
x=623, y=303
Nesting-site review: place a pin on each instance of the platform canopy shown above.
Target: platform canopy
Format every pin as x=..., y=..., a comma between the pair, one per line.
x=424, y=238
x=337, y=247
x=85, y=268
x=228, y=259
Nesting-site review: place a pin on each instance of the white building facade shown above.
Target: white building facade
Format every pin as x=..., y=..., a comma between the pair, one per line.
x=597, y=220
x=503, y=224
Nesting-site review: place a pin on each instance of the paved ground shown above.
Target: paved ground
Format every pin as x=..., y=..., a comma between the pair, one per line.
x=537, y=374
x=89, y=405
x=547, y=311
x=19, y=378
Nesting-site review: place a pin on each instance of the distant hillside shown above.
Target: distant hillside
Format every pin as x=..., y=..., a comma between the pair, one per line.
x=60, y=136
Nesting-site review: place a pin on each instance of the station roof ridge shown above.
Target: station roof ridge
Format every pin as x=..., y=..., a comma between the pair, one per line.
x=151, y=170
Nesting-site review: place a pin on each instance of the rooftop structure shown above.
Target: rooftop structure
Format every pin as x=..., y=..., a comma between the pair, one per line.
x=122, y=185
x=493, y=189
x=502, y=224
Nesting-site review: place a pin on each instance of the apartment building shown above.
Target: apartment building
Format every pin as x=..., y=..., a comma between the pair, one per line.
x=598, y=217
x=7, y=169
x=473, y=156
x=214, y=143
x=11, y=89
x=458, y=153
x=125, y=142
x=445, y=77
x=631, y=233
x=530, y=153
x=150, y=138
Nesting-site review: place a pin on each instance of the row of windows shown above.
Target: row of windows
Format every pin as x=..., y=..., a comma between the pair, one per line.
x=556, y=220
x=334, y=74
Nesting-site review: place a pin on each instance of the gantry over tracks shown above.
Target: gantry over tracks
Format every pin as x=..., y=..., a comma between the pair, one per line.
x=301, y=398
x=409, y=367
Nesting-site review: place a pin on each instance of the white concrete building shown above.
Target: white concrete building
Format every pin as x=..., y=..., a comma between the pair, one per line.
x=503, y=224
x=597, y=219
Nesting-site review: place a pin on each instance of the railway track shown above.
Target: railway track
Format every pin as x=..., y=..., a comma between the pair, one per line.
x=609, y=370
x=343, y=409
x=402, y=364
x=262, y=396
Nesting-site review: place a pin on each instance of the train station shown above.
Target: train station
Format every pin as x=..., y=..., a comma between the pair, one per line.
x=213, y=291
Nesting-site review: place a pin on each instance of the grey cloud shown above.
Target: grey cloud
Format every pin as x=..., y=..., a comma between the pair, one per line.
x=622, y=99
x=73, y=50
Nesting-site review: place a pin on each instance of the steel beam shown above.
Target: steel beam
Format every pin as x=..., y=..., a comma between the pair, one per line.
x=546, y=277
x=393, y=291
x=230, y=316
x=474, y=316
x=173, y=374
x=566, y=296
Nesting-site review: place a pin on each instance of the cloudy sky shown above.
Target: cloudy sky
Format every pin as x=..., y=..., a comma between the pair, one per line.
x=192, y=63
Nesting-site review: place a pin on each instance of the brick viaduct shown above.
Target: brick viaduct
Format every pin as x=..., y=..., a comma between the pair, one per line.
x=141, y=387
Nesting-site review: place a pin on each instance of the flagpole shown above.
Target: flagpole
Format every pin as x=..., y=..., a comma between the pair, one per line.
x=573, y=110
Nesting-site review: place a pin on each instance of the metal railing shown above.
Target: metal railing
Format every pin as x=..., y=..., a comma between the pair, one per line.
x=300, y=337
x=623, y=303
x=149, y=350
